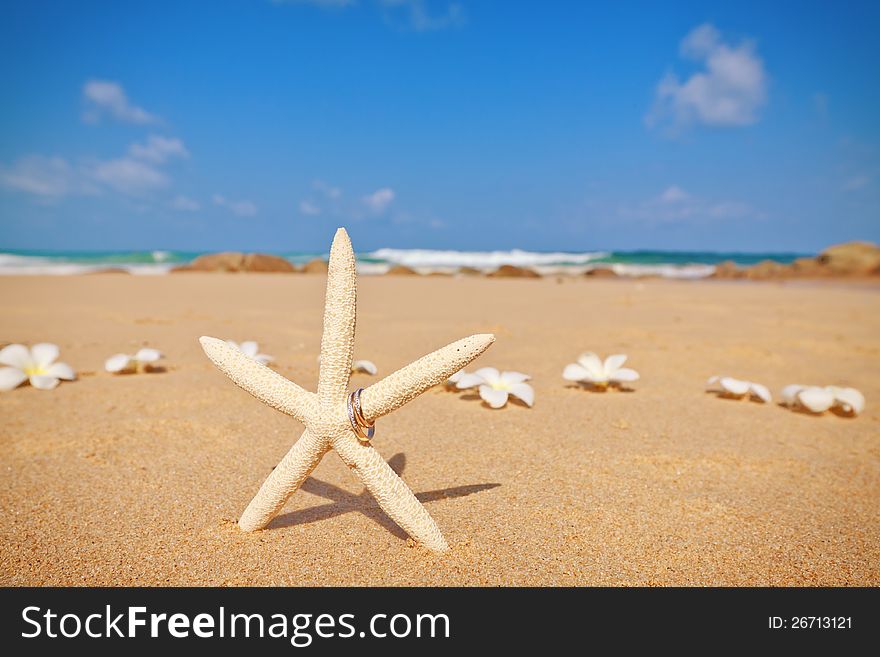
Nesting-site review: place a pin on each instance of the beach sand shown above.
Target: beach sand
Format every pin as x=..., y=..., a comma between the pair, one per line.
x=138, y=480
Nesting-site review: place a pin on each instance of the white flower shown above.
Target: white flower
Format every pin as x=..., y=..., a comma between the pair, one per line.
x=590, y=369
x=365, y=366
x=818, y=399
x=727, y=385
x=36, y=365
x=251, y=349
x=143, y=360
x=495, y=387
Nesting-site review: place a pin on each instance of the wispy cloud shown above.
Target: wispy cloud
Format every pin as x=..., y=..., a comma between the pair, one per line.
x=378, y=201
x=238, y=208
x=327, y=190
x=44, y=177
x=309, y=208
x=727, y=93
x=416, y=15
x=158, y=149
x=185, y=204
x=129, y=176
x=106, y=98
x=676, y=206
x=856, y=183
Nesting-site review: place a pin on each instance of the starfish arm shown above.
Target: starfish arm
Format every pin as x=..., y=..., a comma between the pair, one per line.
x=409, y=382
x=390, y=491
x=337, y=342
x=262, y=382
x=287, y=476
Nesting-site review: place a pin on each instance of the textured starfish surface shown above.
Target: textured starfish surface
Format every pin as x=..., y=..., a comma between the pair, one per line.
x=324, y=413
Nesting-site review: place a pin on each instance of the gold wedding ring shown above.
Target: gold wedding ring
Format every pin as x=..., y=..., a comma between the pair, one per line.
x=362, y=429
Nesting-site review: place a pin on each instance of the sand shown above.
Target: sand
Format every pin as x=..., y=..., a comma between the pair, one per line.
x=138, y=480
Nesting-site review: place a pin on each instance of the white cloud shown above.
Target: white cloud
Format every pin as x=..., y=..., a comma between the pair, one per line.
x=727, y=93
x=185, y=204
x=238, y=208
x=158, y=149
x=47, y=177
x=109, y=98
x=856, y=183
x=309, y=208
x=420, y=19
x=378, y=201
x=129, y=176
x=676, y=206
x=326, y=189
x=673, y=194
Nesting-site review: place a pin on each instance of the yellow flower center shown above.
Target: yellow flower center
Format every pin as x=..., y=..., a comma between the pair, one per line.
x=499, y=385
x=35, y=370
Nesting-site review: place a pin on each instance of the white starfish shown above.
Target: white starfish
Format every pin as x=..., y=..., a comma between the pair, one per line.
x=324, y=414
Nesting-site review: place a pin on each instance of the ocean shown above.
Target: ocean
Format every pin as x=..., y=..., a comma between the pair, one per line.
x=668, y=264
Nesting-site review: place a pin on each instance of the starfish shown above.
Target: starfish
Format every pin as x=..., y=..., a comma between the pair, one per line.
x=325, y=415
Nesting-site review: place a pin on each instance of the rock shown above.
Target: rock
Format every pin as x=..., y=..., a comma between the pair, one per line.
x=316, y=266
x=267, y=263
x=512, y=271
x=766, y=269
x=110, y=270
x=808, y=267
x=851, y=258
x=234, y=261
x=469, y=271
x=401, y=270
x=225, y=261
x=601, y=272
x=728, y=269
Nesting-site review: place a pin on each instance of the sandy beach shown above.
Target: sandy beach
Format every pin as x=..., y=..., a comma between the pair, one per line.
x=138, y=480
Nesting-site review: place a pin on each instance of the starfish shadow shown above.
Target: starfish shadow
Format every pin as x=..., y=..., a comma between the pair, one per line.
x=342, y=501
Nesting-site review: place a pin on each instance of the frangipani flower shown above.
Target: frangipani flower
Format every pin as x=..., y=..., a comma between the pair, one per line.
x=251, y=349
x=590, y=369
x=731, y=387
x=817, y=399
x=36, y=365
x=142, y=361
x=365, y=366
x=496, y=387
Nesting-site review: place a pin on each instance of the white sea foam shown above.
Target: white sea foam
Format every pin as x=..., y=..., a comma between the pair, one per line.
x=666, y=271
x=486, y=260
x=12, y=264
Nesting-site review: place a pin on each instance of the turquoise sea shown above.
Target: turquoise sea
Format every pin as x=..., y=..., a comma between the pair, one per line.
x=672, y=264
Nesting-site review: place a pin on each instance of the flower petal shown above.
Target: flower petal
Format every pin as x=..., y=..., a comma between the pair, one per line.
x=593, y=365
x=235, y=345
x=117, y=363
x=576, y=372
x=734, y=386
x=712, y=380
x=525, y=392
x=790, y=392
x=249, y=348
x=761, y=392
x=514, y=377
x=367, y=366
x=613, y=363
x=44, y=381
x=850, y=400
x=455, y=377
x=15, y=355
x=489, y=374
x=147, y=355
x=495, y=398
x=469, y=380
x=816, y=399
x=263, y=359
x=44, y=353
x=62, y=371
x=11, y=377
x=623, y=375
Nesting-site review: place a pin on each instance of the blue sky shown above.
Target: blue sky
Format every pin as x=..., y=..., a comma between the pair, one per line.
x=470, y=125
